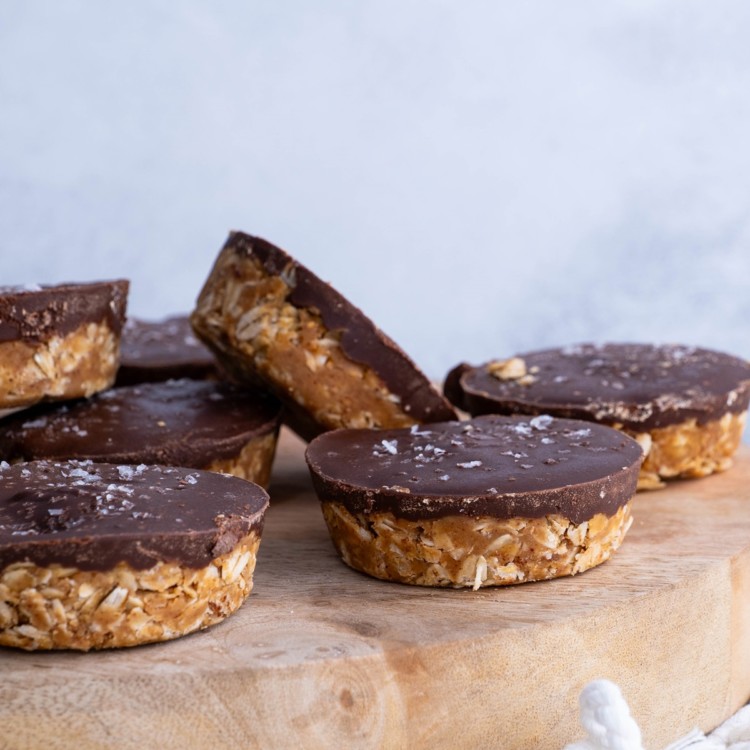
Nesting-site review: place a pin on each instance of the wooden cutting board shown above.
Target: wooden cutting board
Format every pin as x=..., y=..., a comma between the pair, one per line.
x=323, y=657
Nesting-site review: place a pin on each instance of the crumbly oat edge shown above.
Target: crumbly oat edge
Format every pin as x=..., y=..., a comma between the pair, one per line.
x=57, y=607
x=459, y=551
x=688, y=450
x=253, y=462
x=78, y=364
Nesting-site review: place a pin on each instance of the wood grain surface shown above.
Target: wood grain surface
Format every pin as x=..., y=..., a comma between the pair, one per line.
x=323, y=657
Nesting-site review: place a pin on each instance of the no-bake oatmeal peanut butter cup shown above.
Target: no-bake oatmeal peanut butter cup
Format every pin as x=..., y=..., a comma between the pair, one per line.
x=271, y=321
x=59, y=342
x=101, y=555
x=686, y=406
x=198, y=424
x=492, y=501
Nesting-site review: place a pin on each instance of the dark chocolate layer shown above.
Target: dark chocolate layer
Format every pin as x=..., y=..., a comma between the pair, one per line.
x=360, y=339
x=155, y=351
x=93, y=516
x=639, y=386
x=496, y=466
x=177, y=423
x=36, y=313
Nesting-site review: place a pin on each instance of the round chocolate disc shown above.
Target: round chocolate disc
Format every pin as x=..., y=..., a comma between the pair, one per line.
x=638, y=386
x=178, y=423
x=496, y=466
x=93, y=516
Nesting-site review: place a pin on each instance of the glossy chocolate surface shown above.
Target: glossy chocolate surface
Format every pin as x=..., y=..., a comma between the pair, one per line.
x=360, y=339
x=639, y=386
x=93, y=516
x=177, y=423
x=36, y=313
x=154, y=351
x=496, y=466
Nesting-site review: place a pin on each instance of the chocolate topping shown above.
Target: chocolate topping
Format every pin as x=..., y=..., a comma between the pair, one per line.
x=638, y=386
x=36, y=313
x=178, y=423
x=154, y=351
x=93, y=516
x=360, y=340
x=496, y=466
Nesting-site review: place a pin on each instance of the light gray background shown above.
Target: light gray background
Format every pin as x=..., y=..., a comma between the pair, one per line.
x=480, y=177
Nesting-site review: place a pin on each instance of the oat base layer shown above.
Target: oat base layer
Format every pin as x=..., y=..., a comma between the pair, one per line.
x=59, y=607
x=78, y=364
x=244, y=314
x=688, y=450
x=253, y=463
x=458, y=552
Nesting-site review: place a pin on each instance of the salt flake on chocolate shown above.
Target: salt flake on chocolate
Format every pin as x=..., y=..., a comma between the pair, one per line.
x=125, y=472
x=390, y=446
x=522, y=428
x=542, y=422
x=585, y=432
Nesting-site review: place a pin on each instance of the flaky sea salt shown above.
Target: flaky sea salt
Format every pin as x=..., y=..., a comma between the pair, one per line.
x=84, y=475
x=390, y=446
x=125, y=472
x=585, y=432
x=542, y=422
x=469, y=464
x=522, y=428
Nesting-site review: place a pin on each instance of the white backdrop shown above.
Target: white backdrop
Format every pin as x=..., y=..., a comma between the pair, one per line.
x=480, y=177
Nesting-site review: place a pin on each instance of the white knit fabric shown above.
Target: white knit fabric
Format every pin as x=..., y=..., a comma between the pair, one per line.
x=605, y=716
